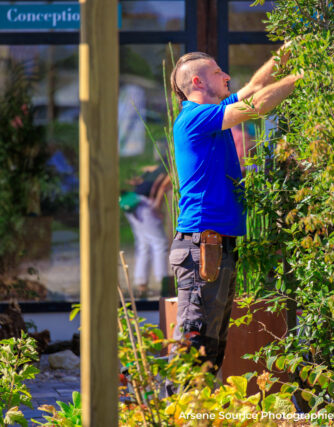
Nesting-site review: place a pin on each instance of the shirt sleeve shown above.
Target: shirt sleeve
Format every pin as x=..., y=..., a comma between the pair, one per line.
x=230, y=100
x=206, y=118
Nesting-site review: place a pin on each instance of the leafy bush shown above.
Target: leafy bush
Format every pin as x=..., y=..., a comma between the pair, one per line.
x=16, y=358
x=69, y=414
x=200, y=396
x=290, y=186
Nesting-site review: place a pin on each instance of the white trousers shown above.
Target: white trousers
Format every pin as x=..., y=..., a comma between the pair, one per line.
x=151, y=243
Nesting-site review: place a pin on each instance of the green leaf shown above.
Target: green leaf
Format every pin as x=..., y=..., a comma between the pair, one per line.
x=304, y=372
x=37, y=422
x=323, y=380
x=29, y=371
x=307, y=395
x=289, y=388
x=65, y=408
x=280, y=362
x=74, y=313
x=313, y=377
x=314, y=402
x=331, y=388
x=270, y=361
x=247, y=356
x=329, y=408
x=254, y=399
x=76, y=396
x=250, y=375
x=159, y=333
x=240, y=383
x=269, y=402
x=13, y=416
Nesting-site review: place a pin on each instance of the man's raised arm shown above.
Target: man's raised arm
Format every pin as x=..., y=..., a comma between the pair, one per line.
x=263, y=76
x=262, y=102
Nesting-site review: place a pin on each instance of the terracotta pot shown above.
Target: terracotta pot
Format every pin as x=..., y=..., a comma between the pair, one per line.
x=241, y=340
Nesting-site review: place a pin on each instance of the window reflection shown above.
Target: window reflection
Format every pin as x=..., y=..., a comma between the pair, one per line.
x=142, y=89
x=153, y=15
x=141, y=99
x=244, y=61
x=242, y=17
x=44, y=249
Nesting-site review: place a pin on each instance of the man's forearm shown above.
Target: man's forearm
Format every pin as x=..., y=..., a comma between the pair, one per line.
x=264, y=75
x=260, y=103
x=272, y=95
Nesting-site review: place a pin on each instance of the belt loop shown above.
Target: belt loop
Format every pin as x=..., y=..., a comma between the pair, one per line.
x=196, y=238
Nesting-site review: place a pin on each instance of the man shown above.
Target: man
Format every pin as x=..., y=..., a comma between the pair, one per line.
x=209, y=172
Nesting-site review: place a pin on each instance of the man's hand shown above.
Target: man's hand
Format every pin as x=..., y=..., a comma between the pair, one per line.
x=300, y=74
x=261, y=103
x=264, y=75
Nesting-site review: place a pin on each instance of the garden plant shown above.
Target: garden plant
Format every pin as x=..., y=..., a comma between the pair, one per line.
x=288, y=253
x=17, y=356
x=24, y=175
x=69, y=414
x=200, y=395
x=288, y=257
x=290, y=194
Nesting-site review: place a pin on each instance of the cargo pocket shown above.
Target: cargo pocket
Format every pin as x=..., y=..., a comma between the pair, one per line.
x=181, y=263
x=194, y=331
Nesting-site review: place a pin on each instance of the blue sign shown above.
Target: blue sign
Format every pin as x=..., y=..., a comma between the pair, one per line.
x=64, y=16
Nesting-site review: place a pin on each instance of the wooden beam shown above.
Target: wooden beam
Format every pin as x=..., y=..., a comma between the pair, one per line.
x=99, y=211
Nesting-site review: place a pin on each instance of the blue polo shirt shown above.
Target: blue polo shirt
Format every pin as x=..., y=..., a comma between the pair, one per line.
x=209, y=171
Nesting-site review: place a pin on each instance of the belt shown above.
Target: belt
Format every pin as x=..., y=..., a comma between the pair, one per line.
x=195, y=237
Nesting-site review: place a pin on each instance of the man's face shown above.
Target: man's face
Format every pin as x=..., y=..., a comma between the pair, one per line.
x=216, y=81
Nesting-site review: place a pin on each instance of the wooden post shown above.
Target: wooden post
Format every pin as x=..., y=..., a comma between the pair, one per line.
x=99, y=211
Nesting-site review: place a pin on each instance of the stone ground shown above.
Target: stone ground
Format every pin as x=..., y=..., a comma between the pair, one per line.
x=61, y=275
x=49, y=386
x=60, y=272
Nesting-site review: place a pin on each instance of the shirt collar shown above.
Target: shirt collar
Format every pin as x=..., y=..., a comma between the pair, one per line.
x=188, y=103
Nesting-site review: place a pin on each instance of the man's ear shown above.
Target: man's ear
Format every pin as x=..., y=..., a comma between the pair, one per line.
x=197, y=82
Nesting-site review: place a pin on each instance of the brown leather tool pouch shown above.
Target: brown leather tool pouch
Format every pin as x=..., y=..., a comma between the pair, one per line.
x=211, y=251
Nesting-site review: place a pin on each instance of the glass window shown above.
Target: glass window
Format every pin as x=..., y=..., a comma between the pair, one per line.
x=153, y=15
x=142, y=99
x=242, y=17
x=39, y=104
x=142, y=94
x=244, y=61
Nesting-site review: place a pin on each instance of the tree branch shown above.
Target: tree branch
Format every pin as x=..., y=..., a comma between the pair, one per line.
x=306, y=14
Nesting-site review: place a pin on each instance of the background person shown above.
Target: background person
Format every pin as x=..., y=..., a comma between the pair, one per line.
x=209, y=173
x=146, y=221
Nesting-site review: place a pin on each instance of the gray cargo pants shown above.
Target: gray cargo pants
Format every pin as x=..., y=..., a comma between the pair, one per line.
x=203, y=307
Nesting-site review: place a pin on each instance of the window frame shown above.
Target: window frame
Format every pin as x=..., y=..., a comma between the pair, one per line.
x=188, y=37
x=227, y=37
